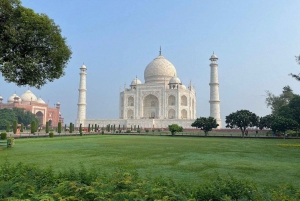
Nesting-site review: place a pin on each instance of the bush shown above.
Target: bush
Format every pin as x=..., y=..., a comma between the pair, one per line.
x=147, y=131
x=138, y=131
x=81, y=134
x=102, y=132
x=11, y=141
x=3, y=136
x=28, y=182
x=51, y=134
x=128, y=131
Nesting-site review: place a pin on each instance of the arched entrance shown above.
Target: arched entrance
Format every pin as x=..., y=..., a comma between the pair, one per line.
x=40, y=116
x=171, y=114
x=151, y=107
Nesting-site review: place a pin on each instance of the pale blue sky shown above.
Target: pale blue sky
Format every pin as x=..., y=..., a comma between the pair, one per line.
x=256, y=42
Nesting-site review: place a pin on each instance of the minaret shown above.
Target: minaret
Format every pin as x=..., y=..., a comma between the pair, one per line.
x=214, y=90
x=81, y=113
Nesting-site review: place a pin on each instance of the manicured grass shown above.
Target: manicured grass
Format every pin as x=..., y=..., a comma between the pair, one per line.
x=195, y=160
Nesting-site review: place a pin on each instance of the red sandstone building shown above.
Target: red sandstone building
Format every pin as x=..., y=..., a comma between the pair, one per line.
x=29, y=102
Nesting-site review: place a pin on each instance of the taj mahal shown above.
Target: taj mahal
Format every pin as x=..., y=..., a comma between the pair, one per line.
x=160, y=101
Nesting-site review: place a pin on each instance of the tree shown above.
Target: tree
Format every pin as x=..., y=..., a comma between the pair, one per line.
x=89, y=128
x=7, y=126
x=22, y=127
x=80, y=129
x=265, y=122
x=6, y=115
x=242, y=119
x=31, y=43
x=277, y=123
x=292, y=109
x=276, y=102
x=24, y=116
x=32, y=127
x=47, y=127
x=71, y=129
x=174, y=128
x=65, y=127
x=297, y=77
x=59, y=127
x=96, y=127
x=15, y=126
x=205, y=123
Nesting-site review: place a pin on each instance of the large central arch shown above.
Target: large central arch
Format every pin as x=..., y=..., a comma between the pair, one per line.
x=40, y=116
x=151, y=107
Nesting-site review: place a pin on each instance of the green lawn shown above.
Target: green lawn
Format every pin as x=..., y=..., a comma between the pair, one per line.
x=192, y=159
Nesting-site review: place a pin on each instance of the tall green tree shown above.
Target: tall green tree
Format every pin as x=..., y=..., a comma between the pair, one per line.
x=292, y=109
x=71, y=127
x=59, y=127
x=297, y=77
x=6, y=115
x=242, y=119
x=32, y=127
x=24, y=116
x=47, y=127
x=7, y=126
x=205, y=123
x=96, y=127
x=80, y=129
x=276, y=102
x=15, y=126
x=31, y=43
x=22, y=127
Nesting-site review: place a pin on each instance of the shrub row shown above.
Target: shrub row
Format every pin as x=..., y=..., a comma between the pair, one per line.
x=29, y=182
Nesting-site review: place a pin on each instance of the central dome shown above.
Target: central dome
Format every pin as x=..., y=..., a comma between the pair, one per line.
x=160, y=70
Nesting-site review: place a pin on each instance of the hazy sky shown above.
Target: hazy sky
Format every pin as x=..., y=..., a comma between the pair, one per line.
x=256, y=42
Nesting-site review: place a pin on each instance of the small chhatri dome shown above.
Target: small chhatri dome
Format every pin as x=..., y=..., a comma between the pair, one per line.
x=213, y=57
x=11, y=99
x=83, y=67
x=175, y=80
x=135, y=81
x=159, y=70
x=40, y=100
x=28, y=96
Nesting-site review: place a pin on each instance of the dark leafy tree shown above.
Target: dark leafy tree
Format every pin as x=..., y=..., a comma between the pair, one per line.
x=65, y=127
x=282, y=124
x=6, y=115
x=32, y=127
x=276, y=102
x=297, y=77
x=47, y=127
x=89, y=128
x=15, y=126
x=205, y=123
x=242, y=119
x=31, y=44
x=24, y=116
x=59, y=127
x=7, y=127
x=174, y=128
x=71, y=128
x=80, y=129
x=96, y=127
x=22, y=127
x=265, y=122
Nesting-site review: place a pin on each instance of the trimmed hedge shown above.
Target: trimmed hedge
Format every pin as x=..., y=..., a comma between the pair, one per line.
x=51, y=134
x=3, y=136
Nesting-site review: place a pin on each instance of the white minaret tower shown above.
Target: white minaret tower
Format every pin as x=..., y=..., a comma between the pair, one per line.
x=81, y=113
x=214, y=90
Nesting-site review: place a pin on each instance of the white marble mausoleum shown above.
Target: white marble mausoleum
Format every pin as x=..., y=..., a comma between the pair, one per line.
x=158, y=102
